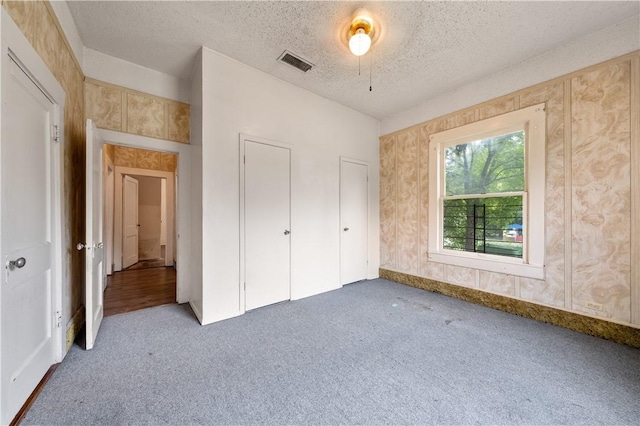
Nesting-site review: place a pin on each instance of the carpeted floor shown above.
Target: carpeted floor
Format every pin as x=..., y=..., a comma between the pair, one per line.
x=374, y=352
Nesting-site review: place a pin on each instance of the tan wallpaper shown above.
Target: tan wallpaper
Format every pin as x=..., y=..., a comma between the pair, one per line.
x=601, y=197
x=588, y=195
x=40, y=26
x=143, y=159
x=407, y=201
x=118, y=108
x=388, y=205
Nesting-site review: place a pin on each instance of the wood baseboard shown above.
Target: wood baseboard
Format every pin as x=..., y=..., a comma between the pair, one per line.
x=29, y=402
x=588, y=325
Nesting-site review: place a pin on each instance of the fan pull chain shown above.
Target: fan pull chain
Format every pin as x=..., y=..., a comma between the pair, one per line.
x=370, y=66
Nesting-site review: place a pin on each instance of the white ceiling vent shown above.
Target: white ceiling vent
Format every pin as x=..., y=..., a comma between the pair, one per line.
x=295, y=61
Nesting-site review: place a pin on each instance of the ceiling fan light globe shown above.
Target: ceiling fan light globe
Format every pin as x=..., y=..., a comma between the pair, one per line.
x=360, y=43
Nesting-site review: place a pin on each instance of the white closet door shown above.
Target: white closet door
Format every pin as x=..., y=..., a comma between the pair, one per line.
x=267, y=224
x=353, y=221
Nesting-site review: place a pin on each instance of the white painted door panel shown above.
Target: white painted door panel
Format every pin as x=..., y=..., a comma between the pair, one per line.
x=267, y=224
x=129, y=221
x=27, y=208
x=95, y=272
x=353, y=221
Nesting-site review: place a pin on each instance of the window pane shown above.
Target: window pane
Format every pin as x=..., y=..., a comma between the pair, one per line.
x=485, y=166
x=484, y=225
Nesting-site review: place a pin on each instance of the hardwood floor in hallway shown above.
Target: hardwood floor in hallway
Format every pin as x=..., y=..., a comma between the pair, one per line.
x=138, y=289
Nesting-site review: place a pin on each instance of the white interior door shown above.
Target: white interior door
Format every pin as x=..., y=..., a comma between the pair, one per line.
x=354, y=200
x=95, y=272
x=267, y=201
x=130, y=225
x=28, y=238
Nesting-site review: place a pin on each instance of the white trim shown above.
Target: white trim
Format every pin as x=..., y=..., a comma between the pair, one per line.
x=182, y=201
x=120, y=172
x=109, y=208
x=243, y=139
x=533, y=120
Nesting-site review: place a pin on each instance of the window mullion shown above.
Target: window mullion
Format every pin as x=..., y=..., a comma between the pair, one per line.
x=491, y=195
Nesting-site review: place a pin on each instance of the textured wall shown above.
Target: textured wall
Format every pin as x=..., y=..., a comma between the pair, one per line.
x=143, y=159
x=588, y=216
x=118, y=108
x=40, y=26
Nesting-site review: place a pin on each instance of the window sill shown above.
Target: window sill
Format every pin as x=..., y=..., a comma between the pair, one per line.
x=490, y=263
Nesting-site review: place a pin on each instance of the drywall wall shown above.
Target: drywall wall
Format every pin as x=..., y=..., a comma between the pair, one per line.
x=592, y=207
x=600, y=46
x=240, y=99
x=197, y=128
x=103, y=67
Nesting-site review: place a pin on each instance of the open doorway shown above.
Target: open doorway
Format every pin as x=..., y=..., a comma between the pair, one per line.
x=144, y=222
x=140, y=236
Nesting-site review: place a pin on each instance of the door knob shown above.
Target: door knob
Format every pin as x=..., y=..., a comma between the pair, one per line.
x=81, y=246
x=346, y=229
x=18, y=263
x=99, y=245
x=286, y=232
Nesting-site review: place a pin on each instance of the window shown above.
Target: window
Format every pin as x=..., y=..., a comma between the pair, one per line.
x=486, y=194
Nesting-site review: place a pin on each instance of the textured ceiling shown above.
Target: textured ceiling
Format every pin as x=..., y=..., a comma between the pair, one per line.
x=422, y=49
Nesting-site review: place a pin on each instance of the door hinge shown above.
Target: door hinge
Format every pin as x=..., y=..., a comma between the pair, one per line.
x=56, y=133
x=58, y=319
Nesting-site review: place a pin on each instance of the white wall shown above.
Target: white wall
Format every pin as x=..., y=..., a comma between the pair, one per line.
x=240, y=99
x=600, y=46
x=117, y=71
x=195, y=291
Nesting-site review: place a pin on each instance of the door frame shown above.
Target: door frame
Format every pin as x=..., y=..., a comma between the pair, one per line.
x=182, y=203
x=109, y=174
x=243, y=139
x=122, y=171
x=362, y=163
x=15, y=44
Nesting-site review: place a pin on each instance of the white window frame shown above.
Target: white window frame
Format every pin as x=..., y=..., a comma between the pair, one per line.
x=533, y=121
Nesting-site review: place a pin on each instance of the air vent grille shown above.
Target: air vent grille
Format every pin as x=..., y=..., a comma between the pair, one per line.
x=295, y=61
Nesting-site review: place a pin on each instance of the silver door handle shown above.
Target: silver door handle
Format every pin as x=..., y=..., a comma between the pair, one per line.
x=81, y=246
x=346, y=229
x=99, y=245
x=18, y=263
x=286, y=232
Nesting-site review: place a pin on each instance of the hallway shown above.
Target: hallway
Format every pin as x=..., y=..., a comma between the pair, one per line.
x=138, y=289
